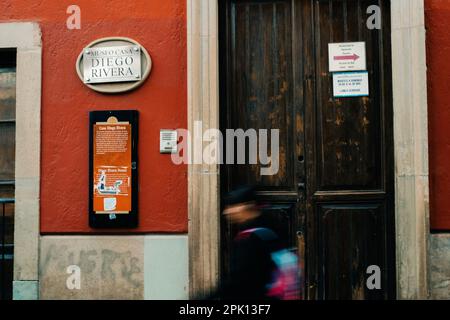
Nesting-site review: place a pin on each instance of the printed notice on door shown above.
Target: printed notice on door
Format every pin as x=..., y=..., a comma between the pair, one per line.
x=112, y=168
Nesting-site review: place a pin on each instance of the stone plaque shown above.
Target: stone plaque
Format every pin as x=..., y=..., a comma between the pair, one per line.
x=112, y=64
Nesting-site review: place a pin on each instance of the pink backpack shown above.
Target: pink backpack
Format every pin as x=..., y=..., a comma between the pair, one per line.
x=285, y=283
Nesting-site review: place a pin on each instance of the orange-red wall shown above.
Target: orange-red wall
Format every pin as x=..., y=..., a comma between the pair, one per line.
x=160, y=26
x=438, y=60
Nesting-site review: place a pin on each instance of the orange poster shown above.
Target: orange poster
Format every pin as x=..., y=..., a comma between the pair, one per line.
x=112, y=168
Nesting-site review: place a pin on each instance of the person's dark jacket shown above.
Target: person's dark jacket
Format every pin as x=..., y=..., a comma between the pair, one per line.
x=251, y=265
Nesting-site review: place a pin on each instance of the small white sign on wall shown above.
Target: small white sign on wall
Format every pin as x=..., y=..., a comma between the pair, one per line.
x=347, y=56
x=350, y=84
x=168, y=141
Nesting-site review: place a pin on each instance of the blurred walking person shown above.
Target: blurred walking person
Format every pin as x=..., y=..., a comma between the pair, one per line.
x=260, y=267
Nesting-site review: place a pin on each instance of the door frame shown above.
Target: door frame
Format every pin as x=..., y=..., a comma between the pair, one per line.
x=410, y=147
x=25, y=37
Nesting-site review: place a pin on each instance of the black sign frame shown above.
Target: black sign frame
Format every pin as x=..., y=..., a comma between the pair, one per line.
x=129, y=220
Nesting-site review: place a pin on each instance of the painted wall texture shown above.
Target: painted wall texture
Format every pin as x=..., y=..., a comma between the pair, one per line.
x=160, y=26
x=437, y=13
x=151, y=267
x=439, y=268
x=109, y=267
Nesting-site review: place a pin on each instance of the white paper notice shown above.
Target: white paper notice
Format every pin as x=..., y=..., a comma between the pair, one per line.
x=350, y=84
x=347, y=56
x=109, y=204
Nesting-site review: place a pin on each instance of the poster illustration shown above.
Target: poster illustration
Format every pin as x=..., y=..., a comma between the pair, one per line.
x=112, y=167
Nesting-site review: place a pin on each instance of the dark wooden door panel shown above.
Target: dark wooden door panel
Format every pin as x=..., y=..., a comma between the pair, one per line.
x=352, y=239
x=349, y=157
x=349, y=137
x=281, y=218
x=261, y=37
x=335, y=182
x=261, y=89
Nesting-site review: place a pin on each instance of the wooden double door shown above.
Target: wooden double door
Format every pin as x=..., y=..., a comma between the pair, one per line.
x=334, y=187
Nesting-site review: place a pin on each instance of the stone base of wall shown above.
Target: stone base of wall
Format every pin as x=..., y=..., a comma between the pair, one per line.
x=25, y=290
x=439, y=262
x=114, y=267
